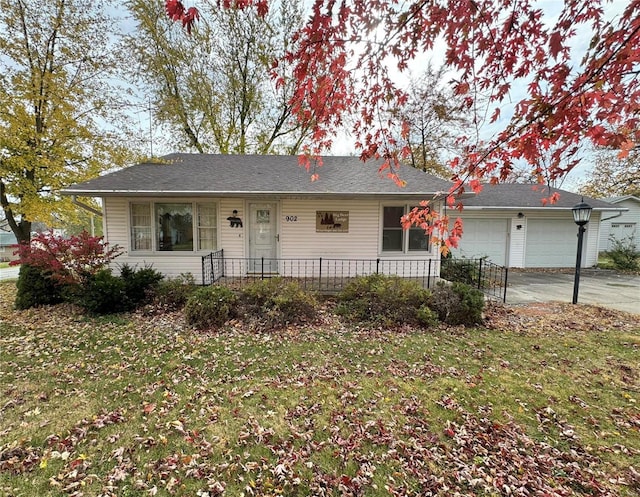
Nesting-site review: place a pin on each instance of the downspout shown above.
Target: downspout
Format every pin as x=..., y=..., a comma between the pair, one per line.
x=613, y=217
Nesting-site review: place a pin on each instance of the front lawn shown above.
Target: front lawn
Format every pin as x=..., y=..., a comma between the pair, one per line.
x=543, y=401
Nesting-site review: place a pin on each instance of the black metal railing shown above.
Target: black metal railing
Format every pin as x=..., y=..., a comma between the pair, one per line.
x=480, y=273
x=322, y=274
x=332, y=275
x=213, y=267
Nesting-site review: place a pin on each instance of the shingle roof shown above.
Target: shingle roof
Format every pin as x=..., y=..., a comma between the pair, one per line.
x=528, y=196
x=255, y=174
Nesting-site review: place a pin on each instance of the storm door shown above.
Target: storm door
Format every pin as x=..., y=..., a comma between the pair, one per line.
x=262, y=238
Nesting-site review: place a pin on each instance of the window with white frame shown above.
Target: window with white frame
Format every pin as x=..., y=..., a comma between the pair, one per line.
x=207, y=227
x=141, y=226
x=395, y=238
x=173, y=226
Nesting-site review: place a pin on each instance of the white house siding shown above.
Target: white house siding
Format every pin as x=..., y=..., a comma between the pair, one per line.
x=297, y=238
x=232, y=240
x=624, y=225
x=300, y=240
x=517, y=240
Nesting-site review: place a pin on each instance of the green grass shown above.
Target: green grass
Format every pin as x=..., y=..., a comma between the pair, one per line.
x=140, y=404
x=4, y=265
x=605, y=261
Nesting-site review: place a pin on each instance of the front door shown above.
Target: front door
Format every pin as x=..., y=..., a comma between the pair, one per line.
x=262, y=238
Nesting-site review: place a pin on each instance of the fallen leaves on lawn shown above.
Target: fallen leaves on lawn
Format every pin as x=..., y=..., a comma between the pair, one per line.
x=558, y=317
x=222, y=412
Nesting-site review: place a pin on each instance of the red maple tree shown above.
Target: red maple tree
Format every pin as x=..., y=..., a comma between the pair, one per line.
x=509, y=51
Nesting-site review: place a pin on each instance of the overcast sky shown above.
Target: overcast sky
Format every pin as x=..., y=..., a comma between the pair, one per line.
x=344, y=142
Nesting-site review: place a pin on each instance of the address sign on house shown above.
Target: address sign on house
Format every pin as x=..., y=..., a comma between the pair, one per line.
x=332, y=221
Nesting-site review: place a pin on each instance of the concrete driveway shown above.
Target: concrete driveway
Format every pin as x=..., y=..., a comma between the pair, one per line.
x=599, y=287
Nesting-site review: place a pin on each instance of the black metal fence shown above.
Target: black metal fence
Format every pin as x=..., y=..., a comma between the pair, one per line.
x=332, y=275
x=481, y=273
x=322, y=274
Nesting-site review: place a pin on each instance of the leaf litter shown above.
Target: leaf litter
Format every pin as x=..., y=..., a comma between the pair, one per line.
x=143, y=405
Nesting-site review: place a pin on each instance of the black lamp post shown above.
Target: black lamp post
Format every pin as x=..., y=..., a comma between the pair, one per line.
x=581, y=215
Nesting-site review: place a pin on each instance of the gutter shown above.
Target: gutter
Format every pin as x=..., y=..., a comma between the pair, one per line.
x=86, y=207
x=258, y=194
x=617, y=215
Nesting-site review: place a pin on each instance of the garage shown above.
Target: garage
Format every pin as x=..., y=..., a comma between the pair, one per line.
x=622, y=232
x=484, y=238
x=551, y=243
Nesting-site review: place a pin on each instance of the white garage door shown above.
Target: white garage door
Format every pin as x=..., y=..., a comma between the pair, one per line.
x=551, y=243
x=484, y=238
x=623, y=232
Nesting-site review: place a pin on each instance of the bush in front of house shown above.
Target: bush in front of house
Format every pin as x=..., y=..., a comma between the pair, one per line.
x=101, y=293
x=460, y=270
x=624, y=254
x=57, y=263
x=172, y=294
x=140, y=284
x=457, y=303
x=275, y=302
x=384, y=300
x=210, y=307
x=36, y=288
x=427, y=317
x=105, y=293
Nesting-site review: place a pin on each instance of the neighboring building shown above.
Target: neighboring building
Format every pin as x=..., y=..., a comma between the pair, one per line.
x=171, y=214
x=623, y=225
x=8, y=245
x=508, y=224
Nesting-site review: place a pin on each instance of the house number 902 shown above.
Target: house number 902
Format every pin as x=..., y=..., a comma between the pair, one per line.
x=291, y=219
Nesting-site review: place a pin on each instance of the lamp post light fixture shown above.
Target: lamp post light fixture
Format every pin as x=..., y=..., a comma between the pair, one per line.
x=581, y=215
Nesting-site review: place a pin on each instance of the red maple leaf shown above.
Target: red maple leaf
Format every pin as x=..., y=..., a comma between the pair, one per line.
x=174, y=9
x=262, y=7
x=189, y=18
x=177, y=12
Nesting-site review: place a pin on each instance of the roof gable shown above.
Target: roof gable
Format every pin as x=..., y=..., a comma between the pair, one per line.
x=623, y=198
x=212, y=174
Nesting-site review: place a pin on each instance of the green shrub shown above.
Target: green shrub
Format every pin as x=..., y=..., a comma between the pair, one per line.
x=426, y=316
x=460, y=270
x=103, y=293
x=457, y=303
x=275, y=302
x=383, y=300
x=210, y=307
x=35, y=287
x=624, y=254
x=172, y=294
x=139, y=283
